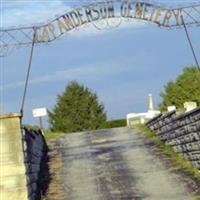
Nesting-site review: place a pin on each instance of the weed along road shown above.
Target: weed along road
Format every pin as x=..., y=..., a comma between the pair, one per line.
x=115, y=164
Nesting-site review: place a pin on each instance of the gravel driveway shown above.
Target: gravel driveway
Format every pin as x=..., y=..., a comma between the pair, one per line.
x=115, y=164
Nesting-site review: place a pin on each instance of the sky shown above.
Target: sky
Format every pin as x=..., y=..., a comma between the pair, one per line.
x=122, y=65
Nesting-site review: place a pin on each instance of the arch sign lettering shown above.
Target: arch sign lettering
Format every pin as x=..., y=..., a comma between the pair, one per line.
x=167, y=17
x=105, y=10
x=95, y=13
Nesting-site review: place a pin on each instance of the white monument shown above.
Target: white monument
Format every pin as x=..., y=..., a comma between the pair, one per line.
x=141, y=118
x=150, y=102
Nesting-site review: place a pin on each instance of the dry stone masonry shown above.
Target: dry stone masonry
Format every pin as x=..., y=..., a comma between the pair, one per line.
x=181, y=132
x=35, y=154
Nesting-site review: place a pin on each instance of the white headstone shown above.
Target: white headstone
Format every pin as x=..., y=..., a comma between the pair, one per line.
x=190, y=106
x=171, y=108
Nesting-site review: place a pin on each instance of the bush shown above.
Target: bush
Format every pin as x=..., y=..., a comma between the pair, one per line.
x=115, y=123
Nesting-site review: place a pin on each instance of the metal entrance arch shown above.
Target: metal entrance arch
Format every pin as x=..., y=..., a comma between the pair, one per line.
x=104, y=11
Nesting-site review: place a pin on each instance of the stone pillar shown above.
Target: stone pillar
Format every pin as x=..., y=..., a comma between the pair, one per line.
x=13, y=183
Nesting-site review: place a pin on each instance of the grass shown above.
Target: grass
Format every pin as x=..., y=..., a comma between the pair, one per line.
x=115, y=123
x=181, y=164
x=51, y=135
x=108, y=124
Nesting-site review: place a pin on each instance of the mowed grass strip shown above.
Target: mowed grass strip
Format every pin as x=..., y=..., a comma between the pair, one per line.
x=180, y=163
x=52, y=135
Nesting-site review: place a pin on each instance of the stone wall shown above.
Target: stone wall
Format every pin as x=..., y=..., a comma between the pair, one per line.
x=181, y=132
x=35, y=152
x=23, y=161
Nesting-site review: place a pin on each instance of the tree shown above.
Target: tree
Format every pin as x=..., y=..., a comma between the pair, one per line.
x=186, y=87
x=77, y=109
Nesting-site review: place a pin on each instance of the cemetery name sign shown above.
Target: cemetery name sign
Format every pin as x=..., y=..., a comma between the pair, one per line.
x=106, y=10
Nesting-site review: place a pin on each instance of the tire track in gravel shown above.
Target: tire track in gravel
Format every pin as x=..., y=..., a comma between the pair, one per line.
x=113, y=179
x=77, y=171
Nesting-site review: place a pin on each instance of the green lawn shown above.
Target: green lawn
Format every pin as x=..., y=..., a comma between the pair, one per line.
x=51, y=135
x=180, y=163
x=108, y=124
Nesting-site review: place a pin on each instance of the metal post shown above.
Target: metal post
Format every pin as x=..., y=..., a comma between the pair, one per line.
x=41, y=124
x=190, y=43
x=28, y=73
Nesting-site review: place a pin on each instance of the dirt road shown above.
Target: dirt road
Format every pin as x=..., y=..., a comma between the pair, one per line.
x=115, y=164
